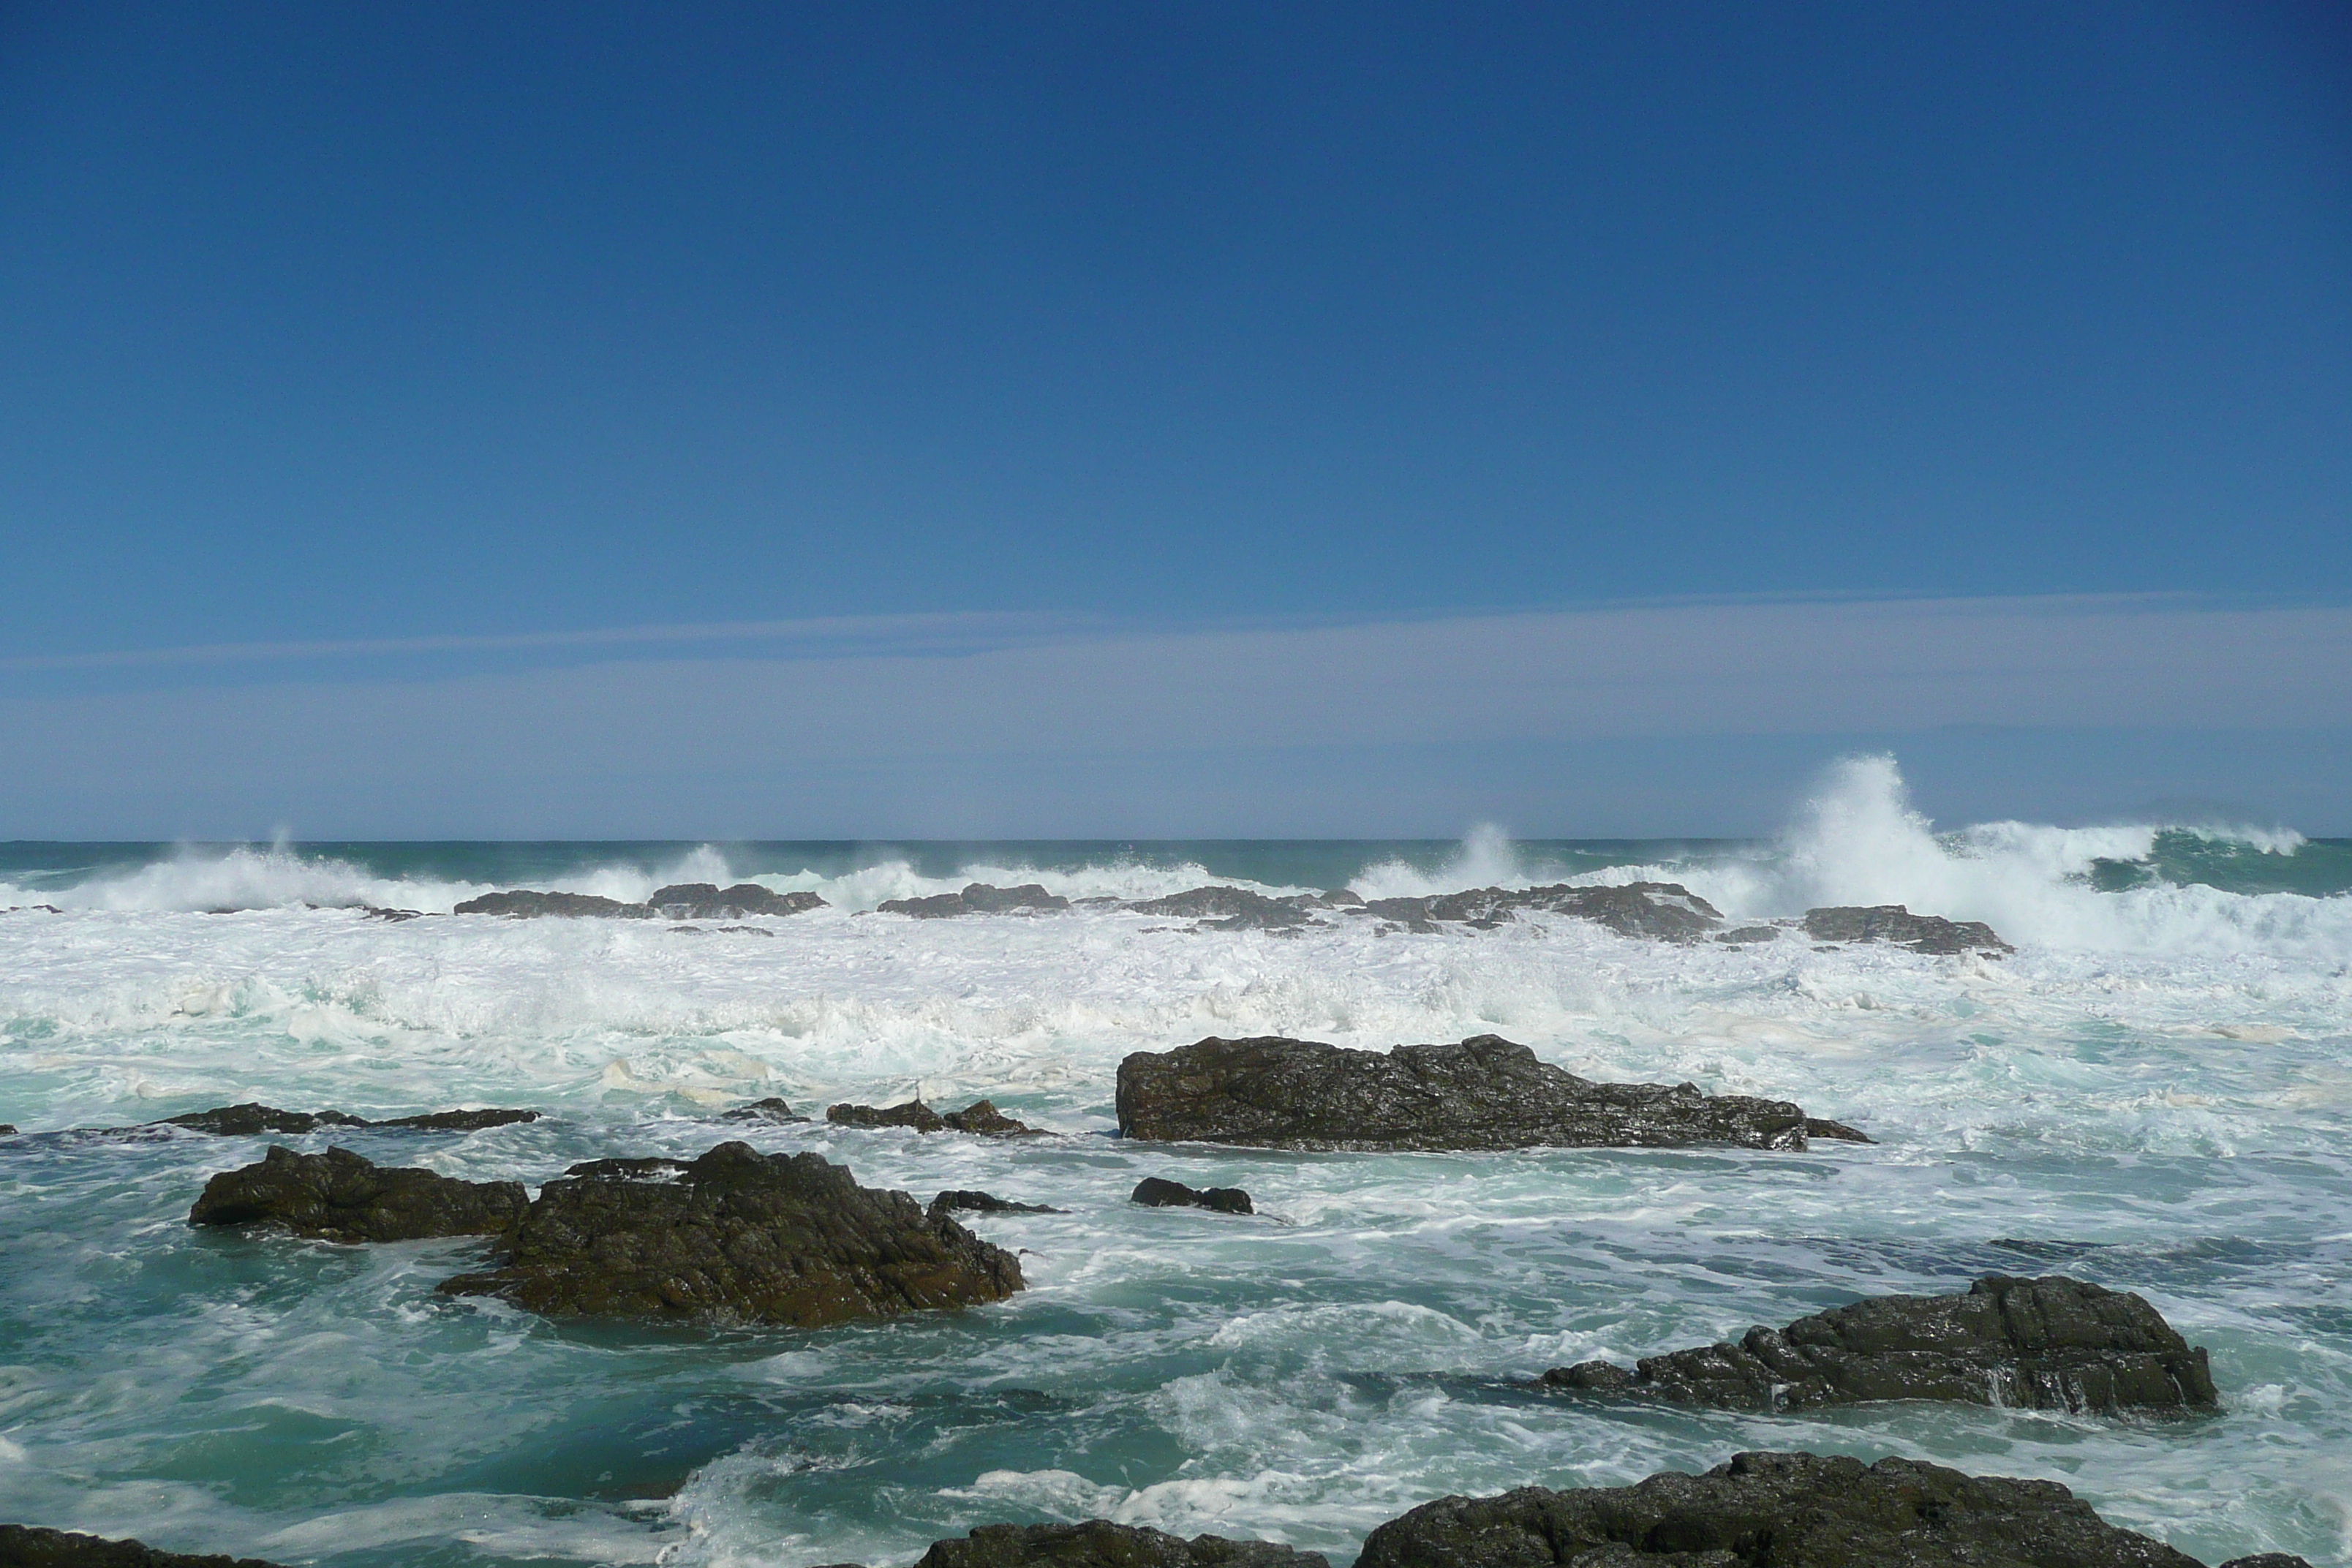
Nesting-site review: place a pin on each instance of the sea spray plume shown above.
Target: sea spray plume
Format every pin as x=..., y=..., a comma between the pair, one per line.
x=1486, y=858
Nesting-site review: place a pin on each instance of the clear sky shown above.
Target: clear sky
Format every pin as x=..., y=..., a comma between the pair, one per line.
x=429, y=355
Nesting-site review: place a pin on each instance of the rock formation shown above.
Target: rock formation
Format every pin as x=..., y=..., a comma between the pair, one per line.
x=769, y=1110
x=1483, y=1093
x=1666, y=912
x=679, y=901
x=736, y=1236
x=1773, y=1510
x=250, y=1119
x=980, y=1117
x=1159, y=1193
x=1098, y=1543
x=22, y=1547
x=977, y=899
x=960, y=1200
x=2052, y=1343
x=339, y=1196
x=1894, y=924
x=1227, y=909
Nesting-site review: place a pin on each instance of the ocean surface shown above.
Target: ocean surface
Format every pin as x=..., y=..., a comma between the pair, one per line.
x=2154, y=1092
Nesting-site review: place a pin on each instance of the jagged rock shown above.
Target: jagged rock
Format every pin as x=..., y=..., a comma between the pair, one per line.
x=1744, y=935
x=1773, y=1510
x=372, y=913
x=1227, y=909
x=977, y=899
x=1896, y=925
x=769, y=1110
x=962, y=1199
x=250, y=1119
x=2052, y=1343
x=1668, y=912
x=1098, y=1543
x=22, y=1546
x=2267, y=1559
x=736, y=1236
x=523, y=904
x=708, y=901
x=1483, y=1093
x=339, y=1196
x=981, y=1117
x=1159, y=1193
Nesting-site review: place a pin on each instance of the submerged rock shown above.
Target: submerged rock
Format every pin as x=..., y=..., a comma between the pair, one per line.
x=1894, y=924
x=8, y=1129
x=1227, y=909
x=522, y=904
x=1773, y=1510
x=1159, y=1193
x=736, y=1236
x=1483, y=1093
x=980, y=1117
x=708, y=901
x=1666, y=911
x=963, y=1200
x=251, y=1119
x=1098, y=1543
x=771, y=1108
x=339, y=1196
x=2052, y=1343
x=976, y=899
x=22, y=1546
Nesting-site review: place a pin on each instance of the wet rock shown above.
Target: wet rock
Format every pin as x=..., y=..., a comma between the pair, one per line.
x=981, y=1117
x=1746, y=934
x=24, y=1547
x=1894, y=924
x=8, y=1129
x=736, y=1236
x=1227, y=909
x=1483, y=1093
x=1773, y=1510
x=523, y=904
x=339, y=1196
x=1666, y=911
x=769, y=1110
x=2268, y=1560
x=372, y=913
x=2052, y=1343
x=977, y=899
x=962, y=1199
x=459, y=1121
x=1159, y=1193
x=250, y=1119
x=708, y=901
x=1098, y=1543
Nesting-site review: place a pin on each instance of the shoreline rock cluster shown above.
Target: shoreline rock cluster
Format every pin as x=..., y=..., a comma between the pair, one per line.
x=679, y=901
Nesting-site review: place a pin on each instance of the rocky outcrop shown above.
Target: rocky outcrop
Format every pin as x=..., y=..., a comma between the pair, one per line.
x=2052, y=1343
x=1483, y=1093
x=522, y=904
x=736, y=1236
x=250, y=1119
x=977, y=899
x=980, y=1117
x=769, y=1110
x=1159, y=1193
x=1098, y=1543
x=1895, y=925
x=8, y=1129
x=708, y=901
x=1773, y=1510
x=1227, y=909
x=339, y=1196
x=24, y=1547
x=961, y=1200
x=1665, y=912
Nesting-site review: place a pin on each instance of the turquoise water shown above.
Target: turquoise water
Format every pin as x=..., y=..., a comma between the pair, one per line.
x=2155, y=1092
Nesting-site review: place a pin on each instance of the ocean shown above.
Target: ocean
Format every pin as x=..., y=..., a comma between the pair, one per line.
x=2154, y=1092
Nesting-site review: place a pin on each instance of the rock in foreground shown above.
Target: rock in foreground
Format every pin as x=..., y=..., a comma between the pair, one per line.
x=737, y=1237
x=1773, y=1510
x=1098, y=1543
x=339, y=1196
x=1159, y=1193
x=1894, y=924
x=1483, y=1093
x=2054, y=1343
x=976, y=899
x=23, y=1547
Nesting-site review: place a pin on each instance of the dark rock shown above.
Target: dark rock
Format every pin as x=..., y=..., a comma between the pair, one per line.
x=459, y=1121
x=962, y=1199
x=708, y=901
x=1897, y=925
x=24, y=1547
x=250, y=1119
x=1159, y=1193
x=1773, y=1510
x=914, y=1114
x=1668, y=912
x=524, y=904
x=769, y=1110
x=982, y=1117
x=371, y=912
x=1098, y=1543
x=1483, y=1093
x=2054, y=1343
x=977, y=899
x=339, y=1196
x=737, y=1237
x=1227, y=909
x=8, y=1129
x=2267, y=1559
x=1746, y=934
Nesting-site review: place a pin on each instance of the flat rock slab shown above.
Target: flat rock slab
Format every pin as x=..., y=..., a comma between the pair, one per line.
x=2052, y=1343
x=1098, y=1543
x=1159, y=1193
x=736, y=1236
x=1896, y=925
x=976, y=899
x=1228, y=909
x=1662, y=911
x=1483, y=1093
x=251, y=1120
x=339, y=1196
x=962, y=1199
x=1773, y=1510
x=24, y=1547
x=679, y=901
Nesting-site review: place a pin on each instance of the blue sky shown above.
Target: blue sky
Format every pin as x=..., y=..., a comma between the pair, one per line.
x=381, y=383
